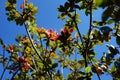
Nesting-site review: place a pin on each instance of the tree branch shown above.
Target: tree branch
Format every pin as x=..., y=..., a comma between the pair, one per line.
x=4, y=70
x=40, y=57
x=31, y=41
x=76, y=26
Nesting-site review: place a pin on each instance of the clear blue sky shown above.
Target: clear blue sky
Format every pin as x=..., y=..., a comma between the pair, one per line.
x=46, y=17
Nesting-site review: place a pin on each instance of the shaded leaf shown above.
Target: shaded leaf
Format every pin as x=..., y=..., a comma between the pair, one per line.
x=118, y=40
x=54, y=65
x=110, y=21
x=106, y=14
x=112, y=49
x=105, y=29
x=117, y=65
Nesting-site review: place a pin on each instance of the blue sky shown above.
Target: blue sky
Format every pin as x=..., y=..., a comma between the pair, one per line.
x=47, y=18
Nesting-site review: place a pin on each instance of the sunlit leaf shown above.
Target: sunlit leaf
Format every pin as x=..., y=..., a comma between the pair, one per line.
x=88, y=69
x=54, y=55
x=97, y=2
x=34, y=9
x=30, y=5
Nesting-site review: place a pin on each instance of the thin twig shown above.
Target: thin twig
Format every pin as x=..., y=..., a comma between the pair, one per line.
x=87, y=44
x=76, y=26
x=14, y=74
x=4, y=70
x=36, y=51
x=40, y=57
x=94, y=66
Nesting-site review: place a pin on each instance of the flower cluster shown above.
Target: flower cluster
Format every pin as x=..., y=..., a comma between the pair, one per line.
x=24, y=63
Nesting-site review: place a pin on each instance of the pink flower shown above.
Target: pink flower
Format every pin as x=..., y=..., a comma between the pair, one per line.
x=49, y=32
x=55, y=36
x=64, y=30
x=68, y=31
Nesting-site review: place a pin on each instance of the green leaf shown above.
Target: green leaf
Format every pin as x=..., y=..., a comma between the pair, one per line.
x=97, y=2
x=112, y=49
x=62, y=16
x=77, y=1
x=113, y=69
x=88, y=69
x=105, y=29
x=107, y=13
x=1, y=41
x=54, y=65
x=110, y=21
x=61, y=9
x=30, y=5
x=34, y=10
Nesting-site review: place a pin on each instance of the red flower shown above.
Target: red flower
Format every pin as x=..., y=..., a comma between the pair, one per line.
x=23, y=59
x=64, y=30
x=22, y=6
x=55, y=36
x=49, y=32
x=38, y=29
x=26, y=65
x=70, y=30
x=11, y=49
x=26, y=0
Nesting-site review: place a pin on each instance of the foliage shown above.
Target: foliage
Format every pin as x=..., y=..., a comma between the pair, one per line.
x=37, y=54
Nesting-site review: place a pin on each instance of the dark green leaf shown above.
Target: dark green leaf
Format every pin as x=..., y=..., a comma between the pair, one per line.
x=117, y=65
x=113, y=50
x=110, y=21
x=106, y=14
x=118, y=40
x=105, y=29
x=54, y=65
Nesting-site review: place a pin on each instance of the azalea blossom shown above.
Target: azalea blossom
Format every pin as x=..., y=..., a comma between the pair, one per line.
x=26, y=65
x=49, y=32
x=64, y=30
x=55, y=36
x=69, y=31
x=11, y=49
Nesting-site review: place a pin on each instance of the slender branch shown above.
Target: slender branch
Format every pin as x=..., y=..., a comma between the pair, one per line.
x=40, y=57
x=36, y=51
x=88, y=42
x=4, y=70
x=94, y=66
x=14, y=74
x=76, y=26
